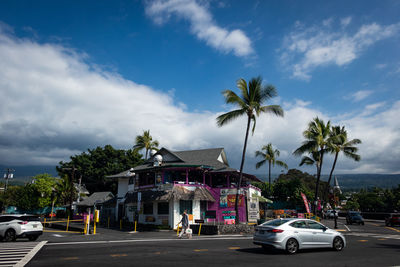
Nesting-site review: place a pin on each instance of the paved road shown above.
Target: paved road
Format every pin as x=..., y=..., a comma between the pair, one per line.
x=225, y=251
x=373, y=244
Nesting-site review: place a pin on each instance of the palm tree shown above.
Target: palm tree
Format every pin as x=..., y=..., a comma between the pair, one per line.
x=317, y=141
x=249, y=103
x=269, y=156
x=146, y=142
x=340, y=143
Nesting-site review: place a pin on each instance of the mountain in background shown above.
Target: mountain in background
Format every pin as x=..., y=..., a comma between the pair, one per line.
x=347, y=182
x=24, y=174
x=355, y=182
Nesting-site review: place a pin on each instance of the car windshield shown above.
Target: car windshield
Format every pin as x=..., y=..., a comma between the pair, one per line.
x=275, y=222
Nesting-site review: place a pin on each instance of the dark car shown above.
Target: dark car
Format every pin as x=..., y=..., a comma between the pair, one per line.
x=354, y=217
x=393, y=219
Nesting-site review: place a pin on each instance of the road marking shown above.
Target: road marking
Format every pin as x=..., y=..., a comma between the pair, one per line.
x=234, y=248
x=341, y=230
x=362, y=240
x=18, y=253
x=118, y=255
x=348, y=229
x=382, y=239
x=70, y=258
x=200, y=250
x=58, y=231
x=148, y=240
x=391, y=228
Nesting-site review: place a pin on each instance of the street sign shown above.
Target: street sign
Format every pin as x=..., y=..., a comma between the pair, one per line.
x=198, y=221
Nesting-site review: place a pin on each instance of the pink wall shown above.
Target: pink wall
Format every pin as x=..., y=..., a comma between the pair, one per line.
x=216, y=206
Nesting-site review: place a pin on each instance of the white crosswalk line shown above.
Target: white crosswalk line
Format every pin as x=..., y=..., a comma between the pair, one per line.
x=18, y=253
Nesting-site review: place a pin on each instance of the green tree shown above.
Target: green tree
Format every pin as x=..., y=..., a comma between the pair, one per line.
x=351, y=205
x=146, y=142
x=340, y=143
x=96, y=164
x=43, y=185
x=317, y=141
x=249, y=103
x=270, y=155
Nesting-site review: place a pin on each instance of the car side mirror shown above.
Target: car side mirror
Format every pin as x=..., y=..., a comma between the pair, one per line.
x=324, y=229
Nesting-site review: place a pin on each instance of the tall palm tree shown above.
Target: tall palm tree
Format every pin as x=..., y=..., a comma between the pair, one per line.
x=318, y=140
x=250, y=103
x=340, y=143
x=146, y=142
x=269, y=156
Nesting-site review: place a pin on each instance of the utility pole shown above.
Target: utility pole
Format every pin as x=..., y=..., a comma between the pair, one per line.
x=7, y=176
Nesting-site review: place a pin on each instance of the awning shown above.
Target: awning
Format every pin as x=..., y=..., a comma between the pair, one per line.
x=176, y=193
x=262, y=199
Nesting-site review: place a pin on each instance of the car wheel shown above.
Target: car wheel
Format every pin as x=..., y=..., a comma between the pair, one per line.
x=10, y=235
x=338, y=244
x=33, y=237
x=292, y=246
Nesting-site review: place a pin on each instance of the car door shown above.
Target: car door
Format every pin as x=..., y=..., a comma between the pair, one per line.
x=4, y=224
x=302, y=233
x=321, y=237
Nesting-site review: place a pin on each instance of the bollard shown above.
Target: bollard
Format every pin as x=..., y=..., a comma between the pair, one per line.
x=120, y=224
x=94, y=227
x=199, y=229
x=85, y=228
x=44, y=223
x=135, y=225
x=177, y=230
x=66, y=229
x=108, y=225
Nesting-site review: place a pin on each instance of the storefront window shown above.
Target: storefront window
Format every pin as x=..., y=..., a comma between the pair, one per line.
x=148, y=208
x=163, y=208
x=185, y=205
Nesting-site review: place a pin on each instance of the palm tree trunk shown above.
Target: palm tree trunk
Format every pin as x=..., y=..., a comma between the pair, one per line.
x=146, y=153
x=317, y=184
x=241, y=170
x=330, y=174
x=269, y=177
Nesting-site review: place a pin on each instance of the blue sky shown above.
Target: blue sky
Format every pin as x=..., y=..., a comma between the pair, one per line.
x=101, y=72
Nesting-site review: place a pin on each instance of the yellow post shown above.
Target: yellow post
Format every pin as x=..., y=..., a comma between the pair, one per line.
x=67, y=224
x=94, y=227
x=85, y=228
x=44, y=223
x=135, y=225
x=199, y=229
x=177, y=230
x=108, y=224
x=120, y=224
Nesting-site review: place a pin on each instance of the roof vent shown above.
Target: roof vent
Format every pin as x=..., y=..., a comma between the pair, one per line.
x=157, y=160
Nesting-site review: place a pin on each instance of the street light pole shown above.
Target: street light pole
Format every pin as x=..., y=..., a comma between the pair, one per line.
x=71, y=192
x=7, y=176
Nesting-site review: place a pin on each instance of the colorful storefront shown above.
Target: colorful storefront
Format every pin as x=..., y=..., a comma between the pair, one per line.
x=199, y=181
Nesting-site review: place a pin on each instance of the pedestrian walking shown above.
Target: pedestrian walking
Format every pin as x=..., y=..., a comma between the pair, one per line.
x=185, y=223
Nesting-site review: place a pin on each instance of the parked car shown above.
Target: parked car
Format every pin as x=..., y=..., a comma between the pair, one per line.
x=354, y=217
x=292, y=234
x=393, y=219
x=14, y=226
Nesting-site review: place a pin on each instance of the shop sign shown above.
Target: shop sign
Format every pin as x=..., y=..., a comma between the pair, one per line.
x=253, y=209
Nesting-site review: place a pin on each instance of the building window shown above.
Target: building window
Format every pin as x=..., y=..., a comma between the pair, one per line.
x=185, y=205
x=148, y=208
x=163, y=208
x=131, y=180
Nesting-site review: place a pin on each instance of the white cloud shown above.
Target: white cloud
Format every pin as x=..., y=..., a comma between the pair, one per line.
x=360, y=95
x=202, y=25
x=345, y=21
x=54, y=105
x=305, y=49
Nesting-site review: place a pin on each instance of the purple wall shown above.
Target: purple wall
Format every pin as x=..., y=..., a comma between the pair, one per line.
x=216, y=205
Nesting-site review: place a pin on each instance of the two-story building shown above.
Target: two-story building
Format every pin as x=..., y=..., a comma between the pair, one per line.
x=199, y=181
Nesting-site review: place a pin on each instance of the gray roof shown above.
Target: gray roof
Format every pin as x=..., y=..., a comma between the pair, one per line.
x=213, y=159
x=96, y=198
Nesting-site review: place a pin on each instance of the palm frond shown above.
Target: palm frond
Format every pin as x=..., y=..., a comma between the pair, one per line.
x=282, y=164
x=274, y=109
x=232, y=98
x=260, y=163
x=229, y=116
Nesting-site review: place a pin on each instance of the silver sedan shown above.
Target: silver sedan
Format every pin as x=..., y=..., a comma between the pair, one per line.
x=292, y=234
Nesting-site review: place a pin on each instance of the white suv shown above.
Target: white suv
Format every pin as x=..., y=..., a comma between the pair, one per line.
x=20, y=225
